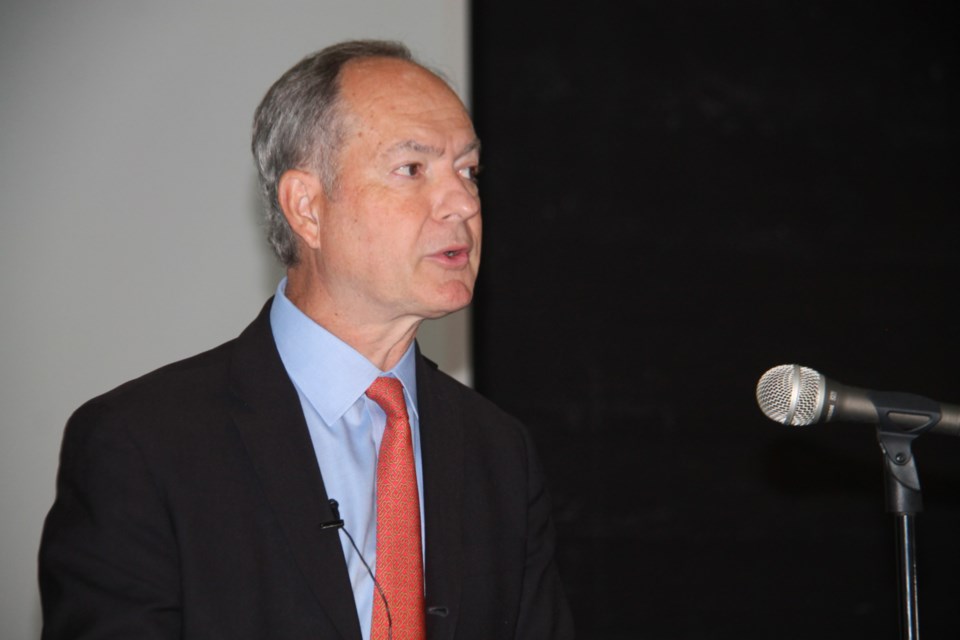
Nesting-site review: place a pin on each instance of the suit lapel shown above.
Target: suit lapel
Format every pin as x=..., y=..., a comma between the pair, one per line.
x=441, y=443
x=268, y=415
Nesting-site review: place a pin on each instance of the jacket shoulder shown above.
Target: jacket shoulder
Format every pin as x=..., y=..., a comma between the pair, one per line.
x=177, y=382
x=475, y=410
x=190, y=383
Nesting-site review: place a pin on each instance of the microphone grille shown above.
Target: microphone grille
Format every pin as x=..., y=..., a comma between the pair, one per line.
x=791, y=394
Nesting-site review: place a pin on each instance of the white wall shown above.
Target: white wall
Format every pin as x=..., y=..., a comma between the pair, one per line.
x=129, y=232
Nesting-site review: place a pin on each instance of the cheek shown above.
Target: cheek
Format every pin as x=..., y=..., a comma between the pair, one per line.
x=476, y=229
x=366, y=223
x=384, y=229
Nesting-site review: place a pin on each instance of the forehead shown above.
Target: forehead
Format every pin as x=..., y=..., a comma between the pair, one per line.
x=398, y=98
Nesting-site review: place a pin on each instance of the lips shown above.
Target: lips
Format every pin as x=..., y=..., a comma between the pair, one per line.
x=453, y=256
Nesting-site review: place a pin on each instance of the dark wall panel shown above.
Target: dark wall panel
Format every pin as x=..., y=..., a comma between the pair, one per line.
x=678, y=196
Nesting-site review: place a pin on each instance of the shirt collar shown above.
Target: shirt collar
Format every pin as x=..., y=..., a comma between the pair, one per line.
x=328, y=371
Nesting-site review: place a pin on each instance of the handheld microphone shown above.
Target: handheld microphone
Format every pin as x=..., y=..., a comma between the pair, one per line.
x=794, y=395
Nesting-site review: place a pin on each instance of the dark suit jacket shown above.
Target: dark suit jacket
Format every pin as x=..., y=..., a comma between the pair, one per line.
x=189, y=505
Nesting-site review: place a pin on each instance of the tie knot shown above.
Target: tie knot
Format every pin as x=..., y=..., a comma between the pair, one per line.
x=388, y=393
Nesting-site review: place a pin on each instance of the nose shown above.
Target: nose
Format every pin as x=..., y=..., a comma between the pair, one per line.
x=458, y=198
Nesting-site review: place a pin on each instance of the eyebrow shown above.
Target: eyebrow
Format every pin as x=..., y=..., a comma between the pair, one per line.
x=474, y=145
x=419, y=147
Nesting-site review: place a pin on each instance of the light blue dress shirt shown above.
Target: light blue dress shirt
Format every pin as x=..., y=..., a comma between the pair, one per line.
x=346, y=428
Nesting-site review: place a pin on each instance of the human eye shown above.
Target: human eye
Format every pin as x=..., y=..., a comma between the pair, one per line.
x=410, y=170
x=470, y=172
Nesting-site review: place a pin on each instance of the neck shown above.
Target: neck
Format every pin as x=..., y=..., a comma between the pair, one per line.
x=382, y=342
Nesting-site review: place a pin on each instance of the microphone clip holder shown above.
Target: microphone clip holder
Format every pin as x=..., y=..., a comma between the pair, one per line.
x=897, y=428
x=896, y=431
x=901, y=479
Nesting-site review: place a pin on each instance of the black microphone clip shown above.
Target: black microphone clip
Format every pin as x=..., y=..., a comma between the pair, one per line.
x=337, y=522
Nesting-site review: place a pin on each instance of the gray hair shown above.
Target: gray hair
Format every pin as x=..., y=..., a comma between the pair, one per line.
x=299, y=125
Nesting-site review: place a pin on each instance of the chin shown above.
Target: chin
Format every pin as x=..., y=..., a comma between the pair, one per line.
x=450, y=299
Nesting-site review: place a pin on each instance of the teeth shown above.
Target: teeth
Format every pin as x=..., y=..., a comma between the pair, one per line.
x=449, y=254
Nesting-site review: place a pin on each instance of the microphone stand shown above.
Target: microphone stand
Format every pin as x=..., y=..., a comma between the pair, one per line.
x=896, y=432
x=904, y=500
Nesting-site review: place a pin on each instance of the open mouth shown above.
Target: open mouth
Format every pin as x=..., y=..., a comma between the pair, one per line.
x=455, y=257
x=455, y=251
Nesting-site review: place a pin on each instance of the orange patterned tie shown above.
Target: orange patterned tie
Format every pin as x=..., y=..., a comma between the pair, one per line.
x=399, y=552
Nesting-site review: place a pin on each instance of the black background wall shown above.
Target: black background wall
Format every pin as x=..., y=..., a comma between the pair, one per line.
x=677, y=196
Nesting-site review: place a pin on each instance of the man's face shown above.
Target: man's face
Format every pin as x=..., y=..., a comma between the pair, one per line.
x=400, y=234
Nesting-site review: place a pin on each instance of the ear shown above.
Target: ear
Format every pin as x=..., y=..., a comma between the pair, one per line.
x=301, y=198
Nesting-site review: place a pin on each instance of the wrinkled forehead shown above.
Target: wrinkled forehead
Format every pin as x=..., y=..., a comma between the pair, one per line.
x=379, y=89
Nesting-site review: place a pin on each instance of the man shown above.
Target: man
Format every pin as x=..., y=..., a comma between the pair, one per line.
x=316, y=477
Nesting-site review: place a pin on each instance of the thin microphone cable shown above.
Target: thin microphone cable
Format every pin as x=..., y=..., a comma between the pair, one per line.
x=386, y=605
